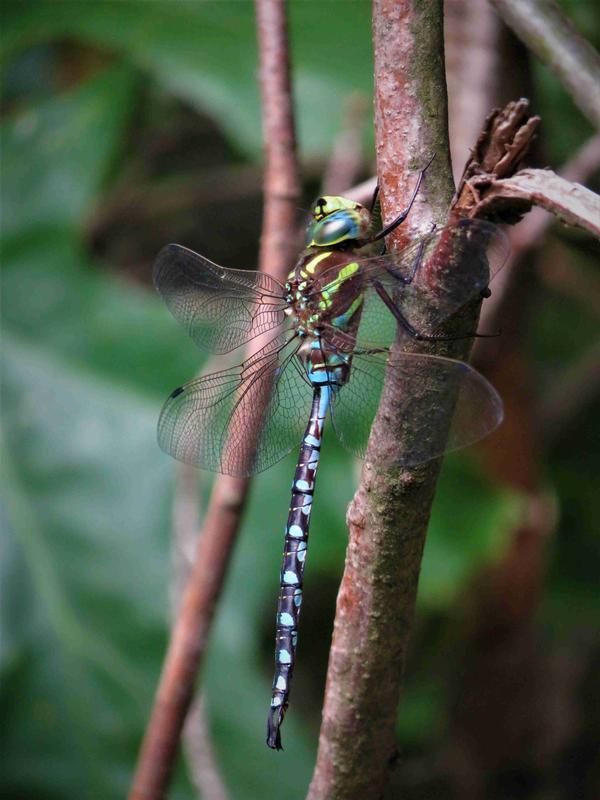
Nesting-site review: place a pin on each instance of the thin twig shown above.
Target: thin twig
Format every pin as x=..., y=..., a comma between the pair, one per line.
x=530, y=234
x=571, y=393
x=572, y=203
x=550, y=34
x=347, y=161
x=362, y=192
x=473, y=71
x=190, y=634
x=201, y=762
x=200, y=758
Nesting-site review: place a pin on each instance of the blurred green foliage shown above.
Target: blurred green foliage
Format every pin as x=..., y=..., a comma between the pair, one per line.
x=89, y=354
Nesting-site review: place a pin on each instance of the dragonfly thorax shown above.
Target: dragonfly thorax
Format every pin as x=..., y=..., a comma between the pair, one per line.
x=324, y=291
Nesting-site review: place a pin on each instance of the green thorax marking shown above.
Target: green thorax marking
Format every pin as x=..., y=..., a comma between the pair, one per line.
x=325, y=287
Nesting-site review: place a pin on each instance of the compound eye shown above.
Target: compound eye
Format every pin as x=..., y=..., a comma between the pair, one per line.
x=334, y=230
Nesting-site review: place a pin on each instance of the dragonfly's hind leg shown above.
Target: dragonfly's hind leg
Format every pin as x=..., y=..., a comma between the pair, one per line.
x=412, y=331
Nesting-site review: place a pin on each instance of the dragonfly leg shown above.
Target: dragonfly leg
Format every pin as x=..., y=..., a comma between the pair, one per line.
x=407, y=279
x=412, y=331
x=374, y=198
x=406, y=211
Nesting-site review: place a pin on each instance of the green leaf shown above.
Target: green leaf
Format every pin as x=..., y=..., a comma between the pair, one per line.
x=205, y=53
x=86, y=492
x=52, y=293
x=469, y=523
x=54, y=157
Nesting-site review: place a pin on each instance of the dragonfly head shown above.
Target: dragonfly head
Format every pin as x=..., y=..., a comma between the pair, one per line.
x=335, y=221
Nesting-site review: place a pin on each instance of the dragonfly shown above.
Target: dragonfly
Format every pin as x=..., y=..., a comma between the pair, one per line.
x=322, y=346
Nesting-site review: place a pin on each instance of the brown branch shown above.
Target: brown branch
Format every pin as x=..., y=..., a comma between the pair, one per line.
x=389, y=514
x=346, y=161
x=200, y=758
x=190, y=633
x=527, y=237
x=543, y=27
x=473, y=71
x=572, y=203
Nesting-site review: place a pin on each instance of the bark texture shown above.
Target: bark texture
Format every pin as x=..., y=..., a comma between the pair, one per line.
x=388, y=517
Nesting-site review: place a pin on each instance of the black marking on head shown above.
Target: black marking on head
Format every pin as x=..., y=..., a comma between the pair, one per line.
x=176, y=392
x=320, y=207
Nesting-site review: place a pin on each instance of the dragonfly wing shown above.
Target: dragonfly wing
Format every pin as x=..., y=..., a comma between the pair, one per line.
x=241, y=420
x=453, y=265
x=441, y=405
x=429, y=280
x=220, y=308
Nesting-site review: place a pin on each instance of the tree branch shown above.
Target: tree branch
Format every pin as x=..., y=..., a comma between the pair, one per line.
x=473, y=71
x=388, y=517
x=346, y=161
x=572, y=203
x=543, y=27
x=191, y=630
x=389, y=514
x=200, y=758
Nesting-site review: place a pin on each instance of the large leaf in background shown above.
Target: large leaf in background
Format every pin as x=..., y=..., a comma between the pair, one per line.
x=88, y=497
x=85, y=494
x=54, y=157
x=52, y=293
x=205, y=53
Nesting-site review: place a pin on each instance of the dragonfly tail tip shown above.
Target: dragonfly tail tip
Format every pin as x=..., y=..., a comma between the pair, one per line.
x=273, y=729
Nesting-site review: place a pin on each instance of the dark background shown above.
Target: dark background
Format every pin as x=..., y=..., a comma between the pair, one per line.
x=127, y=125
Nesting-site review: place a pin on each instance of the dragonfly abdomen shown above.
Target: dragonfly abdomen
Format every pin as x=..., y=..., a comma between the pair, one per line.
x=292, y=569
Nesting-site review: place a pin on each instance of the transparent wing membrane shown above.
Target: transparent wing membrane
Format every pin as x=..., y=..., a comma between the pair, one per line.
x=429, y=280
x=221, y=309
x=242, y=420
x=440, y=405
x=452, y=266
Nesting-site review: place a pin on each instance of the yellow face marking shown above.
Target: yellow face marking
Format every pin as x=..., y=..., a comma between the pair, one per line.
x=313, y=263
x=329, y=203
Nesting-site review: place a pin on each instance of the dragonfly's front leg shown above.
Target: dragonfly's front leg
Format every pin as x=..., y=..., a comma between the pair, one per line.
x=405, y=211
